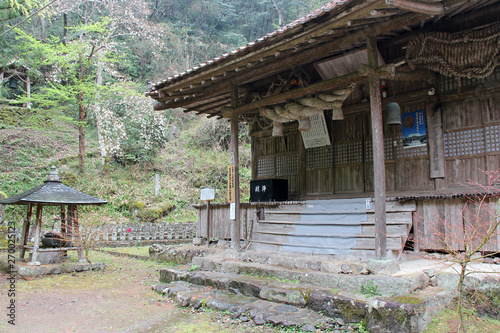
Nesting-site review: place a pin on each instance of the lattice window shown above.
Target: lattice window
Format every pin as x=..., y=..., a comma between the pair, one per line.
x=348, y=153
x=388, y=149
x=287, y=164
x=465, y=142
x=492, y=138
x=265, y=166
x=319, y=157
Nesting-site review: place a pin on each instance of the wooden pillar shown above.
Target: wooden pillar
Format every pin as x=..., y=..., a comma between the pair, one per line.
x=235, y=160
x=435, y=139
x=37, y=233
x=63, y=222
x=378, y=152
x=69, y=223
x=76, y=233
x=208, y=222
x=26, y=231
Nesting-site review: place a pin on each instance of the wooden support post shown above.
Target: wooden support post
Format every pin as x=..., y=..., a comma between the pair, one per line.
x=69, y=223
x=38, y=233
x=208, y=222
x=77, y=234
x=378, y=153
x=435, y=139
x=63, y=222
x=26, y=231
x=235, y=160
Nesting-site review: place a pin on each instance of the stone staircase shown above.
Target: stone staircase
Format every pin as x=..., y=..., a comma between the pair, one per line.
x=342, y=227
x=313, y=292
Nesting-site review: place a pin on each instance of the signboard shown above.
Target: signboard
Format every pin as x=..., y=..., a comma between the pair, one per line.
x=207, y=194
x=414, y=130
x=230, y=183
x=317, y=136
x=232, y=211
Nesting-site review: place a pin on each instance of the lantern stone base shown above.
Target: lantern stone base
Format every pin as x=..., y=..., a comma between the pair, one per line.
x=46, y=258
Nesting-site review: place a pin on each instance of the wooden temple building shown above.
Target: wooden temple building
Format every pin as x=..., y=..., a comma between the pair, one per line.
x=383, y=117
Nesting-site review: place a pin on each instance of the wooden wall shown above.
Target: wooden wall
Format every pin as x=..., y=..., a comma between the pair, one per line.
x=464, y=141
x=452, y=224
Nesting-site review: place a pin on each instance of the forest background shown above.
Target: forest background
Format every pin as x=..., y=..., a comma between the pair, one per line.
x=91, y=62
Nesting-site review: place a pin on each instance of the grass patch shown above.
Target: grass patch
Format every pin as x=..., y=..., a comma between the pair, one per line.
x=449, y=320
x=136, y=250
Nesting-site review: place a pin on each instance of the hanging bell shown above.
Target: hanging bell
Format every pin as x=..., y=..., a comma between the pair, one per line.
x=12, y=83
x=393, y=114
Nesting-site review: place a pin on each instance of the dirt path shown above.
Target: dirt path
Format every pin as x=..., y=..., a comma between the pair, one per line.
x=118, y=299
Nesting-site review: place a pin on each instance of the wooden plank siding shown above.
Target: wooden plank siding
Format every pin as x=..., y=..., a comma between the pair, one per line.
x=451, y=224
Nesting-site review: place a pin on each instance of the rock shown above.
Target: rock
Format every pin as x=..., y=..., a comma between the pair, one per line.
x=222, y=244
x=275, y=320
x=277, y=294
x=285, y=308
x=340, y=321
x=430, y=273
x=385, y=267
x=308, y=328
x=198, y=241
x=420, y=281
x=346, y=269
x=244, y=319
x=434, y=281
x=258, y=320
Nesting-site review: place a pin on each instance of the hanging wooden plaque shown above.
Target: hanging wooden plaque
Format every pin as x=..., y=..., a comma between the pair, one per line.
x=230, y=183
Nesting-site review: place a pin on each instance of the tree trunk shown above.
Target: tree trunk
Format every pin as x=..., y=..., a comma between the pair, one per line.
x=460, y=306
x=81, y=133
x=97, y=112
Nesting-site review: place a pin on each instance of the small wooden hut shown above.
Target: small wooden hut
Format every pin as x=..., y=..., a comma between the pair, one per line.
x=52, y=193
x=17, y=79
x=315, y=94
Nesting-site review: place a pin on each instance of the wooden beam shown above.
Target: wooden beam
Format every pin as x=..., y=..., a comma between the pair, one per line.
x=235, y=160
x=340, y=81
x=435, y=8
x=378, y=153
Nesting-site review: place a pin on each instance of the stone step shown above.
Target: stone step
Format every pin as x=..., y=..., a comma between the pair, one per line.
x=302, y=247
x=251, y=310
x=406, y=313
x=318, y=274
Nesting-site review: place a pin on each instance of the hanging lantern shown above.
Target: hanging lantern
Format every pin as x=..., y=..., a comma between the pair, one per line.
x=393, y=114
x=12, y=83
